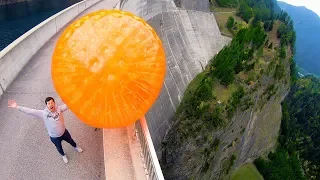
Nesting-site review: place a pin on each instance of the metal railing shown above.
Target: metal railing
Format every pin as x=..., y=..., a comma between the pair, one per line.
x=122, y=3
x=148, y=153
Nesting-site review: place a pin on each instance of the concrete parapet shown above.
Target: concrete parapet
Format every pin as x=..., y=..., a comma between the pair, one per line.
x=147, y=8
x=197, y=5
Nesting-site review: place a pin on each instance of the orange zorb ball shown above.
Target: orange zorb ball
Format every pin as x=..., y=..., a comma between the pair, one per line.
x=109, y=67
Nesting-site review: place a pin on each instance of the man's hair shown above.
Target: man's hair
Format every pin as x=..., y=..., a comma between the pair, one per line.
x=48, y=99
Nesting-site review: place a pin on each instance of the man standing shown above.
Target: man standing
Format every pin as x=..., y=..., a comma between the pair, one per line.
x=53, y=119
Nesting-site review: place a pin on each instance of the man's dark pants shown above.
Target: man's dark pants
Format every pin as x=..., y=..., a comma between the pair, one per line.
x=57, y=141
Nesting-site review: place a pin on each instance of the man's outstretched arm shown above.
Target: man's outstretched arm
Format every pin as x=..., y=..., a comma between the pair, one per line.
x=63, y=107
x=33, y=112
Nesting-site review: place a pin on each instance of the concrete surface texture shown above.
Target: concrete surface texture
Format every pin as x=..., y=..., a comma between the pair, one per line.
x=197, y=5
x=190, y=38
x=122, y=155
x=148, y=8
x=25, y=148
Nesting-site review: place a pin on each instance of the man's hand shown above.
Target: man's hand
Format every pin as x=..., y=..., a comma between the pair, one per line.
x=12, y=104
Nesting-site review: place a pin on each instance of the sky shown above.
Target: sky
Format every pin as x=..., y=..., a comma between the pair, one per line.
x=313, y=5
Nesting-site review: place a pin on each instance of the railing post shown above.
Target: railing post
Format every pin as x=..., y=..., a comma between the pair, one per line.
x=150, y=157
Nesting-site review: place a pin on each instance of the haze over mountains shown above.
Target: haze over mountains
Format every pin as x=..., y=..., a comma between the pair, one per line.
x=307, y=27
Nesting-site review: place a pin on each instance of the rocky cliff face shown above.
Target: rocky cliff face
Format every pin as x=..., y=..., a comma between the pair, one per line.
x=249, y=134
x=213, y=155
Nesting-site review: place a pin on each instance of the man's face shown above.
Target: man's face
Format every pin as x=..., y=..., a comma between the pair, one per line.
x=51, y=105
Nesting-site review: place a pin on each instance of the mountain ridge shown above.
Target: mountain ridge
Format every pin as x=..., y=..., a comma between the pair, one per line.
x=307, y=26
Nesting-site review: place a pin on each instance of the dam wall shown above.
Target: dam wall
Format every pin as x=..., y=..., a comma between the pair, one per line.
x=190, y=38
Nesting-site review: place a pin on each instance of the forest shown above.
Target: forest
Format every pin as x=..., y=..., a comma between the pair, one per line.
x=300, y=134
x=248, y=40
x=239, y=53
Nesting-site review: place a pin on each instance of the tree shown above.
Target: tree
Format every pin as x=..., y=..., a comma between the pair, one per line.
x=282, y=30
x=245, y=11
x=268, y=25
x=230, y=22
x=279, y=72
x=293, y=71
x=300, y=124
x=261, y=14
x=283, y=52
x=283, y=16
x=293, y=38
x=227, y=3
x=280, y=166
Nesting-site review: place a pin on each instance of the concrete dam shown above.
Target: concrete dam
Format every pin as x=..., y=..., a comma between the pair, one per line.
x=191, y=37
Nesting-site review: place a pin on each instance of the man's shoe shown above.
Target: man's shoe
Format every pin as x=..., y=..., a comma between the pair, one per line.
x=65, y=159
x=78, y=149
